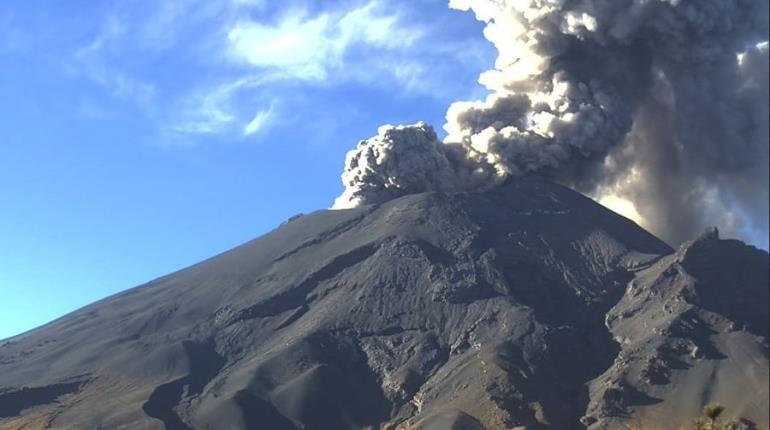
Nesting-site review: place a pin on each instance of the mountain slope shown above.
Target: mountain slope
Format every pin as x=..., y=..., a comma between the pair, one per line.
x=693, y=329
x=432, y=311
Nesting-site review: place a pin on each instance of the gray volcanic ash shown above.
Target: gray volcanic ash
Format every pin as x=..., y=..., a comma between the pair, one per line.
x=662, y=103
x=527, y=306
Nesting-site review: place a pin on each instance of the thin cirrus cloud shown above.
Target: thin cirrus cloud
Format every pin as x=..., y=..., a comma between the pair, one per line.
x=90, y=61
x=204, y=68
x=205, y=112
x=301, y=48
x=306, y=47
x=259, y=122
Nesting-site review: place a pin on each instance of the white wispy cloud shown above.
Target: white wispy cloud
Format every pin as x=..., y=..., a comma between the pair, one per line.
x=259, y=122
x=217, y=109
x=91, y=62
x=313, y=48
x=205, y=112
x=234, y=57
x=297, y=47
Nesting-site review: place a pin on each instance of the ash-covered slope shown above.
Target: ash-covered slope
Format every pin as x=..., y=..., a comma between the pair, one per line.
x=693, y=328
x=434, y=311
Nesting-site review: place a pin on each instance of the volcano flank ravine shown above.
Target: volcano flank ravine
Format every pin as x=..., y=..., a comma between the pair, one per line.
x=528, y=306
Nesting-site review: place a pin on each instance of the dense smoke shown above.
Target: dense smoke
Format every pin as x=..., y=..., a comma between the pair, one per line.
x=399, y=160
x=663, y=103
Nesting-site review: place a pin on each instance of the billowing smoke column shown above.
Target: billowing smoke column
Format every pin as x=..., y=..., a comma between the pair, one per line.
x=660, y=102
x=399, y=160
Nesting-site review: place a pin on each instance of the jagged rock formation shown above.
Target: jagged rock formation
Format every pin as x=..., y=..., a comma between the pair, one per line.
x=527, y=306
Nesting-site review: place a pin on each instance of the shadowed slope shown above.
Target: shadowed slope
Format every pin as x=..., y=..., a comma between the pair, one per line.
x=470, y=310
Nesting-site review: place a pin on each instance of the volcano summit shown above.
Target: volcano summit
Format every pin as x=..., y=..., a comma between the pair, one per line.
x=528, y=306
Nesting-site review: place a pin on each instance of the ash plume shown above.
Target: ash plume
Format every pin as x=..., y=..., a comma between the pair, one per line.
x=663, y=103
x=399, y=160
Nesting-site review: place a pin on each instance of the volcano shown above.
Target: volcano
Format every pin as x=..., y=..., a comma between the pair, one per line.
x=528, y=306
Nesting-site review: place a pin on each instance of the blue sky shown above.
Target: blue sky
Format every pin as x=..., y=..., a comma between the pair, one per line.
x=142, y=136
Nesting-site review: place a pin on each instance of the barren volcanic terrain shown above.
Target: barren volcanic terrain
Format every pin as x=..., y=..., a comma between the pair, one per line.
x=529, y=306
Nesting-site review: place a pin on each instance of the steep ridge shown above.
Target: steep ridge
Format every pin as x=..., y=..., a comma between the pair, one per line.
x=491, y=310
x=693, y=328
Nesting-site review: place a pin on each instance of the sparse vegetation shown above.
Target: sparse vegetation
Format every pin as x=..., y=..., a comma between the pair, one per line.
x=709, y=419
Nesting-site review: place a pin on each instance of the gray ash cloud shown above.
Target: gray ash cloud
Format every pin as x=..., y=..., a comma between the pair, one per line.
x=663, y=103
